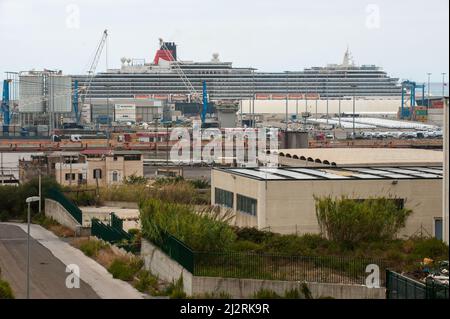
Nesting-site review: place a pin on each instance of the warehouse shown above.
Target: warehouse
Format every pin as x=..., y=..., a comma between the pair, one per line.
x=282, y=199
x=359, y=157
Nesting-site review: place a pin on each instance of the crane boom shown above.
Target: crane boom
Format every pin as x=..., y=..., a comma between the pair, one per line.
x=91, y=71
x=187, y=83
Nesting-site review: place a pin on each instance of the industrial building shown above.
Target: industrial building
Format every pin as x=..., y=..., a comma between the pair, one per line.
x=282, y=199
x=359, y=157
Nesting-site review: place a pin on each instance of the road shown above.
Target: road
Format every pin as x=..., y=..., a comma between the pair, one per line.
x=49, y=258
x=48, y=274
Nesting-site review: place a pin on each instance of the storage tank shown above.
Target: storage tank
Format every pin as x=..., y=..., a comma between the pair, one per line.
x=59, y=94
x=31, y=94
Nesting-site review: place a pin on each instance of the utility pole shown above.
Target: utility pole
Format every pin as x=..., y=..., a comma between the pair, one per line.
x=339, y=111
x=429, y=88
x=2, y=167
x=40, y=191
x=287, y=102
x=443, y=84
x=167, y=144
x=326, y=91
x=354, y=111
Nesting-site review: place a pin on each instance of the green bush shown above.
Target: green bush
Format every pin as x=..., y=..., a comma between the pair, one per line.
x=200, y=183
x=91, y=247
x=146, y=281
x=202, y=231
x=430, y=248
x=5, y=290
x=136, y=180
x=175, y=289
x=349, y=221
x=266, y=294
x=13, y=206
x=125, y=269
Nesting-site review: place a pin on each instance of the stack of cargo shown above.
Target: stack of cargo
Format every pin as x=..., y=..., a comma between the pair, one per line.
x=420, y=114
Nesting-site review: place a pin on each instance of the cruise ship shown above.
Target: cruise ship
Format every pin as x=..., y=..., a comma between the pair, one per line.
x=167, y=78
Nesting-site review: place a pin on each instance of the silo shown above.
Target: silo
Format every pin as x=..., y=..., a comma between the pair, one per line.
x=31, y=94
x=59, y=90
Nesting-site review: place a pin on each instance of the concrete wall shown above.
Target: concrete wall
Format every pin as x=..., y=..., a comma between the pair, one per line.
x=55, y=210
x=289, y=207
x=164, y=267
x=246, y=288
x=167, y=269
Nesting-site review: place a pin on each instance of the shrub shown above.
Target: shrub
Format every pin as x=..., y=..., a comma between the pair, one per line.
x=125, y=268
x=91, y=248
x=253, y=234
x=5, y=290
x=175, y=289
x=13, y=206
x=145, y=281
x=266, y=294
x=200, y=183
x=430, y=248
x=136, y=180
x=202, y=231
x=350, y=221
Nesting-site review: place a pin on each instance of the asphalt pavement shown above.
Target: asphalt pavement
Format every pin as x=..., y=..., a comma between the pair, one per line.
x=48, y=273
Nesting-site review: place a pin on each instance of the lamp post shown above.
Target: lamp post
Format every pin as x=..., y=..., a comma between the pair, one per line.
x=29, y=200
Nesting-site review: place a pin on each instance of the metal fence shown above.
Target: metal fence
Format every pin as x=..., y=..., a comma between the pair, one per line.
x=402, y=287
x=114, y=234
x=321, y=269
x=73, y=209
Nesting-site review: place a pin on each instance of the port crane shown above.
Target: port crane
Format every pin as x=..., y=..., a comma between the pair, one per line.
x=412, y=87
x=195, y=96
x=5, y=106
x=85, y=90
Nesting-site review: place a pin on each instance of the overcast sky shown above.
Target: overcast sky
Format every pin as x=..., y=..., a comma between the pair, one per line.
x=407, y=37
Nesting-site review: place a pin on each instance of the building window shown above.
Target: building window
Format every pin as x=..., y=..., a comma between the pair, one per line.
x=246, y=205
x=115, y=176
x=69, y=177
x=97, y=173
x=438, y=229
x=223, y=198
x=132, y=157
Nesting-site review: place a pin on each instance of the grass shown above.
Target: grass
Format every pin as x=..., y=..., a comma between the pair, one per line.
x=53, y=226
x=202, y=231
x=295, y=293
x=90, y=247
x=125, y=268
x=146, y=282
x=175, y=290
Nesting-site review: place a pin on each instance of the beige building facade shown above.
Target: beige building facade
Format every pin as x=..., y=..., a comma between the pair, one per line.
x=102, y=168
x=282, y=200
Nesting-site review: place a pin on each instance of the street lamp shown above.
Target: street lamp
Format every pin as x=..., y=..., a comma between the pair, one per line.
x=29, y=200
